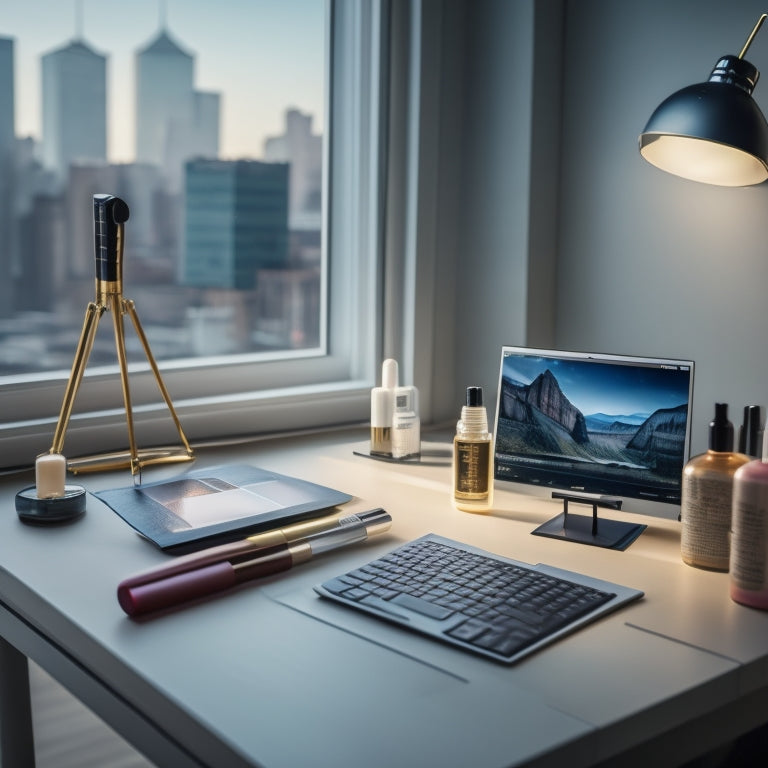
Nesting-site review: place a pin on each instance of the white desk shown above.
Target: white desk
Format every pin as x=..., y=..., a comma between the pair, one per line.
x=266, y=675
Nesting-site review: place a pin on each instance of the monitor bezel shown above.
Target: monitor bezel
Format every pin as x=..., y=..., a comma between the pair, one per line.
x=631, y=503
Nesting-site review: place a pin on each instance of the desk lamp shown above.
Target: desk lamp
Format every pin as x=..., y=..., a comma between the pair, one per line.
x=712, y=132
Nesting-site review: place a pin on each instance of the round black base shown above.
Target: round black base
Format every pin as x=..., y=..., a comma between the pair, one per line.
x=61, y=509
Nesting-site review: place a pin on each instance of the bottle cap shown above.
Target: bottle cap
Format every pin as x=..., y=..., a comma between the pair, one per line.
x=474, y=397
x=749, y=433
x=721, y=430
x=389, y=373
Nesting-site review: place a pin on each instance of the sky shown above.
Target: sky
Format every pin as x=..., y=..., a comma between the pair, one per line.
x=263, y=56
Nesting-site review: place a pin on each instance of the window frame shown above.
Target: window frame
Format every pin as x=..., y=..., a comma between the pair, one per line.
x=221, y=398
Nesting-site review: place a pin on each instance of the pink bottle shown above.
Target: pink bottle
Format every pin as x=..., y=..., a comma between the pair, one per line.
x=749, y=537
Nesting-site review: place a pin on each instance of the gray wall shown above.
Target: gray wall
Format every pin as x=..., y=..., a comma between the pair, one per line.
x=556, y=200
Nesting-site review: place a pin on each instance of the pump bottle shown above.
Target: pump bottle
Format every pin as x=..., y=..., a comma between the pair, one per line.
x=473, y=456
x=749, y=541
x=706, y=498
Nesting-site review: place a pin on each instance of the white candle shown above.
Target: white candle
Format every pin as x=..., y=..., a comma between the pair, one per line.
x=50, y=474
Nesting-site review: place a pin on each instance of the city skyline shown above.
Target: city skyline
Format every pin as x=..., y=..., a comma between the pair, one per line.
x=253, y=107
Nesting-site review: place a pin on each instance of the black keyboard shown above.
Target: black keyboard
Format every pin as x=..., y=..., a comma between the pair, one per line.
x=473, y=599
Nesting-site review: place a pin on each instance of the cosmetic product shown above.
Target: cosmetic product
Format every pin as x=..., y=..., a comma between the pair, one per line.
x=473, y=456
x=166, y=587
x=749, y=537
x=239, y=548
x=50, y=475
x=382, y=409
x=750, y=433
x=706, y=497
x=406, y=426
x=50, y=500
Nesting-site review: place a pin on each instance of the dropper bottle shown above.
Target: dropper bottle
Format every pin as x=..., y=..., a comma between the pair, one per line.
x=473, y=456
x=382, y=409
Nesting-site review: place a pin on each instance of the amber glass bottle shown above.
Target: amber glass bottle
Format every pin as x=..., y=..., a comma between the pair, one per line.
x=473, y=456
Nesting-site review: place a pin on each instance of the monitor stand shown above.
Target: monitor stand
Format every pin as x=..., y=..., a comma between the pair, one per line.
x=599, y=532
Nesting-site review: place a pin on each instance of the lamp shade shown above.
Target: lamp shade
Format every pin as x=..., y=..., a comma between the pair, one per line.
x=712, y=132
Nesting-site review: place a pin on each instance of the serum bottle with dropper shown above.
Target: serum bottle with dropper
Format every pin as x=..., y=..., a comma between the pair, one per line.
x=473, y=456
x=382, y=409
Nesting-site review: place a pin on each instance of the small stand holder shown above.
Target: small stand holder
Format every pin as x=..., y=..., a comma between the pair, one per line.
x=612, y=534
x=110, y=213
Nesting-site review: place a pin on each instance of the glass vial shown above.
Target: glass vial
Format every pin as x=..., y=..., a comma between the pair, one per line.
x=706, y=497
x=473, y=456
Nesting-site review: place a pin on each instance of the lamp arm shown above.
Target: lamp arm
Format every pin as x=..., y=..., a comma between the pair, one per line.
x=752, y=34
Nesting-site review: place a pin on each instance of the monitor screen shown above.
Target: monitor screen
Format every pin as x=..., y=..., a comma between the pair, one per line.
x=594, y=423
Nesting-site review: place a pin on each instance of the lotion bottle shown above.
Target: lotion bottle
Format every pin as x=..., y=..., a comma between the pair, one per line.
x=473, y=456
x=749, y=537
x=706, y=497
x=382, y=409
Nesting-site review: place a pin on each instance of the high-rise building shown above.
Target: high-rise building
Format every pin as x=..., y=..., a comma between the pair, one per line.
x=174, y=122
x=74, y=108
x=6, y=95
x=6, y=172
x=43, y=270
x=207, y=118
x=236, y=222
x=304, y=151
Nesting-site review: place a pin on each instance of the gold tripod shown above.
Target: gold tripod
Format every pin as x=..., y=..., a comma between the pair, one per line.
x=109, y=215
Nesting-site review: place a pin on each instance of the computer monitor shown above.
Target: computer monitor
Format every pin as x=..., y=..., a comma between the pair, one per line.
x=595, y=428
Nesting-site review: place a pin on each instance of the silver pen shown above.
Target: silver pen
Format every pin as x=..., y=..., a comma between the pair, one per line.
x=167, y=587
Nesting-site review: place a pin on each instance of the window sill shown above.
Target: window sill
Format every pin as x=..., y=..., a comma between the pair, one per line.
x=224, y=417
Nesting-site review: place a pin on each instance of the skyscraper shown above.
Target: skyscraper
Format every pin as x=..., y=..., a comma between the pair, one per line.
x=304, y=151
x=173, y=121
x=6, y=95
x=236, y=222
x=74, y=108
x=6, y=172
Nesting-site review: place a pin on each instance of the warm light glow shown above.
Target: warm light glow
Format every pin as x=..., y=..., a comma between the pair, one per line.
x=701, y=160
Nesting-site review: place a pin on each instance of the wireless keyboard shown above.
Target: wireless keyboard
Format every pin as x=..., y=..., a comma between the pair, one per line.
x=475, y=600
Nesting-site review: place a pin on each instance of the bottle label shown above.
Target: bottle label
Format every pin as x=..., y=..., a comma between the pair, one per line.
x=472, y=470
x=749, y=553
x=406, y=437
x=706, y=521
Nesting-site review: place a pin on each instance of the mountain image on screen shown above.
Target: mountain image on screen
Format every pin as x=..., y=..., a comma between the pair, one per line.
x=538, y=422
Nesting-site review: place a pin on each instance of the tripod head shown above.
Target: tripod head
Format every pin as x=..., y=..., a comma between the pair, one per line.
x=109, y=215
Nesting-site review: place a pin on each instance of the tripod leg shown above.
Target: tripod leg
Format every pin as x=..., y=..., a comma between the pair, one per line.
x=93, y=313
x=117, y=321
x=130, y=308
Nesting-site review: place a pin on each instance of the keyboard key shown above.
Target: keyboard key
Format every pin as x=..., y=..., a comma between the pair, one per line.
x=470, y=629
x=422, y=606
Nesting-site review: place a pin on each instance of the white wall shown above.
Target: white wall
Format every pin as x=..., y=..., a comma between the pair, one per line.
x=646, y=263
x=649, y=263
x=491, y=232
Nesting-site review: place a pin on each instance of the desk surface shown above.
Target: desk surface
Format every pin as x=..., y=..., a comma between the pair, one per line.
x=272, y=675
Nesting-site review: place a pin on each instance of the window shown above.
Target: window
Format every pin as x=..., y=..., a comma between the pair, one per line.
x=254, y=271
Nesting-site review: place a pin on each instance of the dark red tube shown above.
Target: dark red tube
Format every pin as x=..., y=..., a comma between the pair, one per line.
x=137, y=597
x=155, y=595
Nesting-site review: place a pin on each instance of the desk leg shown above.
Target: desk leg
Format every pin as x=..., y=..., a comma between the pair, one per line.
x=17, y=747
